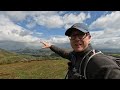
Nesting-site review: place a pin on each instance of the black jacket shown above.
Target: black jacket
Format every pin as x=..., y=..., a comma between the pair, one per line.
x=99, y=67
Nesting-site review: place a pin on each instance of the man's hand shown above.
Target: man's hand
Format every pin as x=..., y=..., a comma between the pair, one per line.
x=46, y=45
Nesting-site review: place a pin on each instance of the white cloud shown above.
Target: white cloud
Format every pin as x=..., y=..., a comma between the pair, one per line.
x=12, y=32
x=107, y=21
x=109, y=36
x=70, y=19
x=31, y=25
x=15, y=15
x=50, y=19
x=58, y=39
x=54, y=19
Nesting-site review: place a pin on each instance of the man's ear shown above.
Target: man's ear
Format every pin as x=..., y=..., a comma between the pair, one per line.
x=89, y=36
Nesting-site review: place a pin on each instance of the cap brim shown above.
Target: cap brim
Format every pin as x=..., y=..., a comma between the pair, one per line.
x=70, y=30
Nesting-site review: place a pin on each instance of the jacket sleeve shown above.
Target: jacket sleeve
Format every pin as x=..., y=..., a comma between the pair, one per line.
x=60, y=52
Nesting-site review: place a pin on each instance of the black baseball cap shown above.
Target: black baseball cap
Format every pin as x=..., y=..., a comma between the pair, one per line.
x=79, y=26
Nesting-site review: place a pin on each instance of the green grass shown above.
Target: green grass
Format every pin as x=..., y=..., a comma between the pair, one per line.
x=44, y=69
x=115, y=55
x=16, y=66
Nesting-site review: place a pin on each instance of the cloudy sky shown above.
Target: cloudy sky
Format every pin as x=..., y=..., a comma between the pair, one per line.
x=21, y=29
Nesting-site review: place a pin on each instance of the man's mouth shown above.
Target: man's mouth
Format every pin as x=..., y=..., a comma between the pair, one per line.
x=78, y=45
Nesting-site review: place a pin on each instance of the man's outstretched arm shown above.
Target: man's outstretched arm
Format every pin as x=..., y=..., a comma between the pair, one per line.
x=57, y=50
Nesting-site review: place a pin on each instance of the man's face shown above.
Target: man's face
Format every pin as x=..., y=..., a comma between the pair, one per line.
x=79, y=40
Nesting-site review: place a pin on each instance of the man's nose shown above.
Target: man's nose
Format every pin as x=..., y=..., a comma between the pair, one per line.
x=77, y=38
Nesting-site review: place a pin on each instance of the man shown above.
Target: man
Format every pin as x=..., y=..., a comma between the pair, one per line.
x=85, y=62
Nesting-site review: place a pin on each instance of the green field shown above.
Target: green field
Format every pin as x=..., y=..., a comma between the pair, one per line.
x=21, y=66
x=44, y=69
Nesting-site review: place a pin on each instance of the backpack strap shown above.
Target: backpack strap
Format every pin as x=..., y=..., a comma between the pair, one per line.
x=86, y=63
x=71, y=63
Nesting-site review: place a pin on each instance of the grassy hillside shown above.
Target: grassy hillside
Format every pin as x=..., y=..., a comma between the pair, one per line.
x=114, y=55
x=4, y=53
x=7, y=57
x=17, y=66
x=45, y=69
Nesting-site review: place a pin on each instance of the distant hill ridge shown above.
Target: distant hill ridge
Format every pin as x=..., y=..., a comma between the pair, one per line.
x=5, y=53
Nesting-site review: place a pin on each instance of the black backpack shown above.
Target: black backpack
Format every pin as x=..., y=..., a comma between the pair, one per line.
x=117, y=60
x=82, y=67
